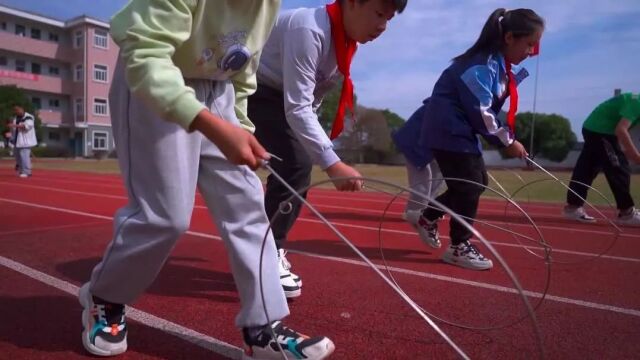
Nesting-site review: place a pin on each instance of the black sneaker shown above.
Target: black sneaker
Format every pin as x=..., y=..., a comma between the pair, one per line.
x=294, y=345
x=105, y=330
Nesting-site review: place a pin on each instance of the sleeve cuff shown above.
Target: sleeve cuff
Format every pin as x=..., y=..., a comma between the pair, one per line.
x=328, y=158
x=510, y=141
x=184, y=110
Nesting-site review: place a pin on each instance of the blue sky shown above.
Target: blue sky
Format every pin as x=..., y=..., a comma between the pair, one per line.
x=588, y=49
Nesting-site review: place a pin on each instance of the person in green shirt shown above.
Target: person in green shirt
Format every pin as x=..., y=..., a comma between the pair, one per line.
x=604, y=131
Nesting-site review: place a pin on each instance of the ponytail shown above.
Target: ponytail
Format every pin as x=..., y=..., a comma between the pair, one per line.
x=520, y=22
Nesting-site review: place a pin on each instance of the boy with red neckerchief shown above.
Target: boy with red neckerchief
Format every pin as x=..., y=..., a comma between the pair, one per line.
x=308, y=52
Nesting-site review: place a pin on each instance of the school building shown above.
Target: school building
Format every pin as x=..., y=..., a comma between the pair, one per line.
x=65, y=68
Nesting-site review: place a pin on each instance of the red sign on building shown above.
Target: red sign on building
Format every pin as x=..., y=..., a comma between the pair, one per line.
x=18, y=75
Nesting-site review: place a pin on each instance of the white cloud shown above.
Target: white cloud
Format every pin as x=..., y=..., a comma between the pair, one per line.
x=589, y=48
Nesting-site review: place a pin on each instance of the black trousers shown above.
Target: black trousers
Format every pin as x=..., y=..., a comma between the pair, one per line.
x=266, y=111
x=601, y=152
x=461, y=197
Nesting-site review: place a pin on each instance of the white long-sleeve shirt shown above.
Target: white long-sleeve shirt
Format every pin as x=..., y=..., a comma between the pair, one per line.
x=24, y=137
x=299, y=59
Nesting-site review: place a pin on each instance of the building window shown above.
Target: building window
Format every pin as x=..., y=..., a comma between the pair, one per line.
x=36, y=68
x=21, y=30
x=77, y=74
x=21, y=66
x=79, y=106
x=100, y=106
x=53, y=70
x=100, y=38
x=77, y=39
x=3, y=26
x=37, y=102
x=53, y=37
x=35, y=34
x=100, y=140
x=100, y=73
x=54, y=136
x=54, y=103
x=3, y=61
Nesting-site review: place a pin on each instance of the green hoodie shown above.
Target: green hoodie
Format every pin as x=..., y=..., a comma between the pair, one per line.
x=164, y=41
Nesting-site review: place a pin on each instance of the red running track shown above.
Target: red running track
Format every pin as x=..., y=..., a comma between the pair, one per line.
x=55, y=226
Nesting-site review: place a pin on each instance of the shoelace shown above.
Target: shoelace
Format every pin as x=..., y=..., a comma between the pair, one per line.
x=102, y=313
x=285, y=263
x=283, y=333
x=433, y=230
x=470, y=248
x=114, y=315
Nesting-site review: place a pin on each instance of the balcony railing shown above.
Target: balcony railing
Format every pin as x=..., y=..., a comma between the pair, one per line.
x=35, y=82
x=54, y=117
x=35, y=47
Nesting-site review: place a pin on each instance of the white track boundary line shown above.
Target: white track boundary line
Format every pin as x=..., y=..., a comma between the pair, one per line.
x=166, y=326
x=498, y=288
x=478, y=284
x=371, y=228
x=120, y=197
x=316, y=195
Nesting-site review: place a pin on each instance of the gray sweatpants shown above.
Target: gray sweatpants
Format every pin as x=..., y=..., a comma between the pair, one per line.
x=23, y=160
x=427, y=181
x=162, y=165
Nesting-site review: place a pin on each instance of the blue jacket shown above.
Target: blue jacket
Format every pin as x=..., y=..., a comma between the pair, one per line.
x=465, y=102
x=408, y=139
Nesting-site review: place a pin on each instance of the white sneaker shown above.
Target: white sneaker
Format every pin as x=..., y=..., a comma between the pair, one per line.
x=578, y=214
x=23, y=175
x=105, y=329
x=427, y=230
x=294, y=345
x=287, y=265
x=412, y=216
x=288, y=281
x=632, y=218
x=467, y=256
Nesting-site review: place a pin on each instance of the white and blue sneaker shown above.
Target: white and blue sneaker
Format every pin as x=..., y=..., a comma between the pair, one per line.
x=294, y=345
x=105, y=329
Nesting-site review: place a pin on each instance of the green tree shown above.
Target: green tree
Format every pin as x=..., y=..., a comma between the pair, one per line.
x=9, y=96
x=552, y=135
x=394, y=121
x=370, y=136
x=329, y=107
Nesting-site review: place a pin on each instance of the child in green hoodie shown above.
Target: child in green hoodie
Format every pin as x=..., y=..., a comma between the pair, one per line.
x=179, y=117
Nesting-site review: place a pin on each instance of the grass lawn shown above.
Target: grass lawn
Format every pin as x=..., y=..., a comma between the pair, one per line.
x=511, y=180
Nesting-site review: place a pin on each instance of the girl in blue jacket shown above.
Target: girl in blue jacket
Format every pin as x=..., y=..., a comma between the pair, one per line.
x=464, y=104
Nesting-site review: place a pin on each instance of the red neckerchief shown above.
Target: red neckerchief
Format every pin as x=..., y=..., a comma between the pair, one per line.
x=513, y=90
x=536, y=50
x=345, y=49
x=513, y=98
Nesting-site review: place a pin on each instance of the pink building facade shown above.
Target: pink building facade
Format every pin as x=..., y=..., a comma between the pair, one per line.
x=65, y=68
